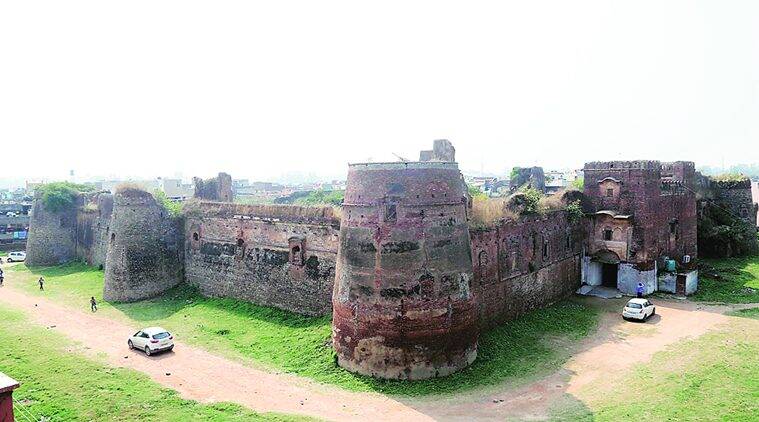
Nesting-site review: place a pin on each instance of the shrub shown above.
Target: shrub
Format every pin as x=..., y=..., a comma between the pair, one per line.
x=58, y=196
x=574, y=211
x=475, y=192
x=322, y=197
x=173, y=207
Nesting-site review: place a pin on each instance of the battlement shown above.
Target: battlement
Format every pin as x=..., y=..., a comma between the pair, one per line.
x=270, y=212
x=732, y=184
x=650, y=165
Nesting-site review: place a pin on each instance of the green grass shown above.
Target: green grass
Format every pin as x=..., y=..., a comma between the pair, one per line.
x=283, y=341
x=62, y=385
x=738, y=281
x=714, y=377
x=747, y=313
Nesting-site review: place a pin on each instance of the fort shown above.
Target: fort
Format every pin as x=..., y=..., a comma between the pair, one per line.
x=409, y=282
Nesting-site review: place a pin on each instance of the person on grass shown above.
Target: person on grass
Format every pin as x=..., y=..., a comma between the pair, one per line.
x=41, y=281
x=93, y=304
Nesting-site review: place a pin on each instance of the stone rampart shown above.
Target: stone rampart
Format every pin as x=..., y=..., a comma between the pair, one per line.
x=271, y=255
x=145, y=248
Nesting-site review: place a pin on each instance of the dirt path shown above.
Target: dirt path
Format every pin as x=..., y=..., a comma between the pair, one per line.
x=617, y=347
x=201, y=376
x=205, y=377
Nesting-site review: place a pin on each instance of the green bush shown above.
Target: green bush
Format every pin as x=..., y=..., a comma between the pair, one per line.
x=721, y=234
x=532, y=199
x=475, y=192
x=322, y=197
x=174, y=208
x=574, y=211
x=58, y=196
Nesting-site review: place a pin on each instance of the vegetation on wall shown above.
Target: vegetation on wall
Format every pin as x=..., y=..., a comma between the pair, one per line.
x=722, y=234
x=173, y=207
x=475, y=192
x=58, y=196
x=730, y=177
x=578, y=184
x=322, y=197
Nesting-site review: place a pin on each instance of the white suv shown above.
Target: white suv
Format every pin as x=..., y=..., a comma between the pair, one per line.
x=151, y=340
x=640, y=309
x=16, y=257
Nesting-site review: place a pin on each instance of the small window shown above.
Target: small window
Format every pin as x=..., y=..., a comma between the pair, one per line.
x=545, y=250
x=568, y=241
x=672, y=228
x=607, y=234
x=609, y=192
x=240, y=243
x=195, y=236
x=113, y=237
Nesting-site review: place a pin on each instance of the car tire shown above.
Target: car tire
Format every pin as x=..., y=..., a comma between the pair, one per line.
x=9, y=260
x=171, y=348
x=653, y=312
x=130, y=344
x=147, y=351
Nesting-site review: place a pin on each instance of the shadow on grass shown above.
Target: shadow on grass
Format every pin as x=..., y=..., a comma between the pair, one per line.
x=185, y=297
x=58, y=270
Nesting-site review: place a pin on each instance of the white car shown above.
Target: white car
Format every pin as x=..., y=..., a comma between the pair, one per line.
x=151, y=340
x=16, y=257
x=640, y=309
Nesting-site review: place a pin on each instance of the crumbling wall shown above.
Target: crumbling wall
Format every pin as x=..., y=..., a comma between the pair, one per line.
x=532, y=177
x=52, y=235
x=145, y=248
x=442, y=150
x=93, y=221
x=727, y=218
x=217, y=189
x=273, y=255
x=78, y=232
x=403, y=307
x=525, y=264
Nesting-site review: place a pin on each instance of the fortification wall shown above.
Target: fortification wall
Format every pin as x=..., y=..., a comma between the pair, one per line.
x=281, y=256
x=93, y=219
x=217, y=188
x=145, y=248
x=525, y=264
x=78, y=232
x=402, y=305
x=737, y=197
x=52, y=235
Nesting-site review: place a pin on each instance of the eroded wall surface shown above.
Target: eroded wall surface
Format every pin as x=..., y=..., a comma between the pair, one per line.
x=145, y=249
x=281, y=256
x=403, y=306
x=525, y=264
x=78, y=232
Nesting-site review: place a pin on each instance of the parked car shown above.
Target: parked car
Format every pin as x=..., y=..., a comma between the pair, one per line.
x=640, y=309
x=151, y=340
x=16, y=257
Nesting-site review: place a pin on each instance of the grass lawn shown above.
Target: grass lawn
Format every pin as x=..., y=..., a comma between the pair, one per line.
x=283, y=341
x=738, y=281
x=747, y=313
x=62, y=385
x=714, y=377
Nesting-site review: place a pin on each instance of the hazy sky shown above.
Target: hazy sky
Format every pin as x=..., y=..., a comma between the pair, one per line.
x=259, y=89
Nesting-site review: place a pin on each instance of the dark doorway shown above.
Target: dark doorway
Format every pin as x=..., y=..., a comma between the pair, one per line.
x=609, y=275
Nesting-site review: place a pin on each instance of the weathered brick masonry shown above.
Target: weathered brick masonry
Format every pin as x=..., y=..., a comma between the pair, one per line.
x=403, y=306
x=145, y=248
x=78, y=232
x=525, y=264
x=272, y=255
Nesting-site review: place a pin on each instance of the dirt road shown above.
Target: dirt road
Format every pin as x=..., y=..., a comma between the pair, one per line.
x=201, y=376
x=205, y=377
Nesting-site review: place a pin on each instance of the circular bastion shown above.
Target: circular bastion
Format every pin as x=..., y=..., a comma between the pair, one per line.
x=402, y=304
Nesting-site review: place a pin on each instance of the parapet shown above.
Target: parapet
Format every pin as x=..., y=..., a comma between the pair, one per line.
x=624, y=165
x=272, y=212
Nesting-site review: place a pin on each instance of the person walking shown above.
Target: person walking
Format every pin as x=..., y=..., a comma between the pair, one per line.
x=42, y=282
x=93, y=304
x=2, y=277
x=639, y=290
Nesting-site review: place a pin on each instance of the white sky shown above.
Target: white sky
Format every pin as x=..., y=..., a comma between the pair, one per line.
x=259, y=89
